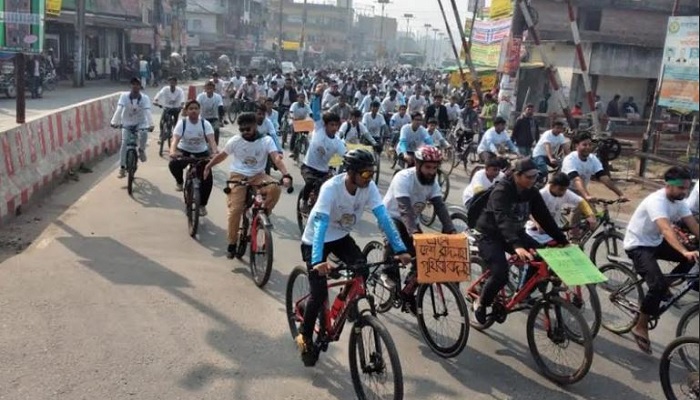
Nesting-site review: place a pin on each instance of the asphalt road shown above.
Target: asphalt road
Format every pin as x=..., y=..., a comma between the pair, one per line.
x=113, y=300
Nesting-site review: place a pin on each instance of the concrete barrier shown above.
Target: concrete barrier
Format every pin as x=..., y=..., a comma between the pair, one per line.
x=36, y=156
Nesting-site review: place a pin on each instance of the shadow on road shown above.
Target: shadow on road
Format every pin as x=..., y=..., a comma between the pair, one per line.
x=150, y=196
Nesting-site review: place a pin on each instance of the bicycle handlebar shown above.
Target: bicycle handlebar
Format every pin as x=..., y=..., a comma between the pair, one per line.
x=245, y=182
x=335, y=273
x=192, y=160
x=610, y=202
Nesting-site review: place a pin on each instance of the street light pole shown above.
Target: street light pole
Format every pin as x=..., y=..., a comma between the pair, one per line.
x=408, y=31
x=381, y=29
x=435, y=33
x=425, y=50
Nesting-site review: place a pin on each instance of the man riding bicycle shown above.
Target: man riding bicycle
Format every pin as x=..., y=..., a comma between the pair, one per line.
x=650, y=237
x=374, y=121
x=501, y=226
x=547, y=148
x=248, y=91
x=133, y=111
x=172, y=99
x=340, y=205
x=212, y=107
x=494, y=139
x=411, y=138
x=354, y=131
x=284, y=98
x=323, y=146
x=193, y=137
x=250, y=151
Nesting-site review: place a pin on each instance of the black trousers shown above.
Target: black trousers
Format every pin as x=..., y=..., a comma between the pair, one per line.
x=407, y=239
x=215, y=124
x=177, y=167
x=313, y=179
x=645, y=263
x=348, y=252
x=493, y=252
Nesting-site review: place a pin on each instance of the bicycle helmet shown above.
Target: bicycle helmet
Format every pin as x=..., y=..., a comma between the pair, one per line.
x=358, y=159
x=428, y=154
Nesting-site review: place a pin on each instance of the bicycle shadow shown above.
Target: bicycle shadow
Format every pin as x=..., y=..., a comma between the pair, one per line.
x=212, y=237
x=150, y=196
x=629, y=357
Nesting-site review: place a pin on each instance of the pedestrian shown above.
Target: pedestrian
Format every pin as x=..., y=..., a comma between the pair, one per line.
x=155, y=70
x=35, y=76
x=92, y=66
x=143, y=71
x=613, y=111
x=114, y=68
x=526, y=132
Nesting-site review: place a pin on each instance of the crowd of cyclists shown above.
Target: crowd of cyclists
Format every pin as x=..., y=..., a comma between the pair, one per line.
x=514, y=204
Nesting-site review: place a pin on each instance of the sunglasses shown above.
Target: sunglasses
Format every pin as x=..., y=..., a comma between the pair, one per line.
x=368, y=174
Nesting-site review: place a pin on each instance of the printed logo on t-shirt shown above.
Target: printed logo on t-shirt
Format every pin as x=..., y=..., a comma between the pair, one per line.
x=250, y=161
x=347, y=221
x=321, y=151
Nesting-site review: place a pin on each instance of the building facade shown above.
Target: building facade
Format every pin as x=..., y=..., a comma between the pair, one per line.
x=378, y=35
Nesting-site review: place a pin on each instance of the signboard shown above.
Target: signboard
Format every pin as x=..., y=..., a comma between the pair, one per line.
x=679, y=85
x=287, y=45
x=500, y=9
x=486, y=55
x=442, y=258
x=22, y=26
x=53, y=7
x=488, y=79
x=512, y=56
x=572, y=265
x=488, y=31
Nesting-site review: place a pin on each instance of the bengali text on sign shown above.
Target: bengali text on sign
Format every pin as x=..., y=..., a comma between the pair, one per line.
x=442, y=258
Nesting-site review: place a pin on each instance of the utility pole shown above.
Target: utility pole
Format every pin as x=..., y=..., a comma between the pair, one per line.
x=425, y=49
x=21, y=102
x=408, y=31
x=79, y=54
x=381, y=30
x=302, y=41
x=435, y=34
x=467, y=50
x=279, y=39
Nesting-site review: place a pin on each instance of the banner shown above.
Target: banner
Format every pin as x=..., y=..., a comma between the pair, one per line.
x=288, y=45
x=500, y=9
x=22, y=26
x=488, y=32
x=679, y=85
x=53, y=7
x=486, y=55
x=512, y=58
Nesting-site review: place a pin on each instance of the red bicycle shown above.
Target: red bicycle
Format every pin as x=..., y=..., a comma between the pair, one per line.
x=370, y=341
x=561, y=324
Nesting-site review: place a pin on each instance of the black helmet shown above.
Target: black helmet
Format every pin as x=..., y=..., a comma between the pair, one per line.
x=358, y=159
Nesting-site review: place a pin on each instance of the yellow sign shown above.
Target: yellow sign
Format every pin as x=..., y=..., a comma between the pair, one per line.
x=303, y=125
x=500, y=9
x=53, y=7
x=290, y=45
x=488, y=79
x=442, y=258
x=336, y=161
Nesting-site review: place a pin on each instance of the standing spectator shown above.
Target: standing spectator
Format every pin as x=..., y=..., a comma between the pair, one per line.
x=526, y=132
x=92, y=66
x=577, y=113
x=613, y=111
x=143, y=71
x=155, y=70
x=489, y=111
x=35, y=76
x=114, y=68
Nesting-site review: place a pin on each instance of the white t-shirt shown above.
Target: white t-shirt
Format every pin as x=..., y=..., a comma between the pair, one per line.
x=322, y=149
x=642, y=230
x=405, y=184
x=692, y=200
x=555, y=142
x=300, y=111
x=373, y=125
x=249, y=158
x=389, y=105
x=478, y=184
x=210, y=105
x=586, y=169
x=344, y=210
x=133, y=112
x=398, y=122
x=453, y=111
x=170, y=99
x=416, y=104
x=194, y=139
x=351, y=133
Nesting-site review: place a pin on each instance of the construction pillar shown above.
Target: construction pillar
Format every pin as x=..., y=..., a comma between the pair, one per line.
x=79, y=54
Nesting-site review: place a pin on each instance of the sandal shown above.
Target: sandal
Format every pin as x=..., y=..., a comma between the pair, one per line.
x=643, y=343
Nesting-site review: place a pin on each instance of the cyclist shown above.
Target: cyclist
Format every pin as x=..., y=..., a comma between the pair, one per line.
x=453, y=110
x=389, y=104
x=484, y=179
x=400, y=119
x=266, y=127
x=331, y=97
x=416, y=103
x=493, y=140
x=370, y=99
x=272, y=114
x=501, y=224
x=341, y=202
x=411, y=138
x=374, y=121
x=248, y=91
x=250, y=151
x=438, y=111
x=212, y=107
x=469, y=123
x=133, y=110
x=323, y=146
x=354, y=131
x=556, y=196
x=342, y=109
x=650, y=237
x=581, y=166
x=407, y=195
x=285, y=97
x=547, y=148
x=191, y=136
x=439, y=141
x=173, y=99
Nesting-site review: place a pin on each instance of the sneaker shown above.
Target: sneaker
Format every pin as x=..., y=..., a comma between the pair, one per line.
x=142, y=155
x=480, y=313
x=387, y=282
x=309, y=354
x=121, y=173
x=178, y=187
x=202, y=211
x=231, y=251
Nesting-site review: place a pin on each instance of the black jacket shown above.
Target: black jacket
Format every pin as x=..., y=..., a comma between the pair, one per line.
x=523, y=134
x=441, y=115
x=507, y=211
x=280, y=96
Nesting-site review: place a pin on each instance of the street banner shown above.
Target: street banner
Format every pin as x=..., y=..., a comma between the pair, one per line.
x=22, y=26
x=486, y=55
x=512, y=56
x=679, y=85
x=53, y=7
x=491, y=31
x=442, y=258
x=572, y=265
x=500, y=9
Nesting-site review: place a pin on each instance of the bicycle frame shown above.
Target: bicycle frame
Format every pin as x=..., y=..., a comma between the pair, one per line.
x=689, y=278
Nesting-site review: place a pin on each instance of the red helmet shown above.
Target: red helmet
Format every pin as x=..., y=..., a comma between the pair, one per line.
x=428, y=154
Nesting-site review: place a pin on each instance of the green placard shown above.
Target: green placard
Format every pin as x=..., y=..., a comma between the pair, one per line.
x=22, y=26
x=572, y=265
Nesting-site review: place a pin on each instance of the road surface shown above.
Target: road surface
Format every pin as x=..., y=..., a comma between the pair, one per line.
x=111, y=299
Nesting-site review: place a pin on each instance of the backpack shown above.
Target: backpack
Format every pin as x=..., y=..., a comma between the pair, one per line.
x=476, y=206
x=184, y=125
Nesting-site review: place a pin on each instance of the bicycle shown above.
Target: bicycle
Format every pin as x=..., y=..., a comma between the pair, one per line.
x=687, y=385
x=169, y=122
x=255, y=229
x=410, y=299
x=132, y=160
x=370, y=360
x=303, y=211
x=624, y=292
x=564, y=333
x=285, y=128
x=191, y=191
x=608, y=234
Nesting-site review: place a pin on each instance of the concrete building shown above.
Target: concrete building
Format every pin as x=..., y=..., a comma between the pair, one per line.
x=226, y=25
x=622, y=43
x=377, y=34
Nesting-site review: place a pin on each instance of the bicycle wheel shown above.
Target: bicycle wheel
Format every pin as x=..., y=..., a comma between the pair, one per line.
x=449, y=159
x=302, y=217
x=297, y=293
x=193, y=208
x=477, y=268
x=459, y=220
x=585, y=299
x=130, y=170
x=688, y=323
x=448, y=337
x=378, y=160
x=370, y=343
x=428, y=215
x=384, y=295
x=556, y=331
x=444, y=182
x=233, y=110
x=472, y=156
x=165, y=135
x=607, y=245
x=620, y=297
x=261, y=251
x=680, y=380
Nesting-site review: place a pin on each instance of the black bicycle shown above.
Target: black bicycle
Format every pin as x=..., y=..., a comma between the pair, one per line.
x=680, y=378
x=169, y=121
x=132, y=157
x=191, y=189
x=303, y=210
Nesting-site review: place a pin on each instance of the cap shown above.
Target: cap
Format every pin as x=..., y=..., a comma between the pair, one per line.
x=525, y=165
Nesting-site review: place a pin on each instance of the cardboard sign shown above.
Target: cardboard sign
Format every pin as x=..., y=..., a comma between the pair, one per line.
x=305, y=125
x=572, y=265
x=442, y=258
x=336, y=161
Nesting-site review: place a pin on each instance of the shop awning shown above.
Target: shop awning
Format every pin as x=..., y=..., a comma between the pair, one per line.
x=99, y=21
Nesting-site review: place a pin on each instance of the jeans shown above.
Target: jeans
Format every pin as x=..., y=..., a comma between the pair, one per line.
x=126, y=132
x=542, y=162
x=348, y=252
x=493, y=252
x=645, y=263
x=177, y=167
x=114, y=74
x=525, y=151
